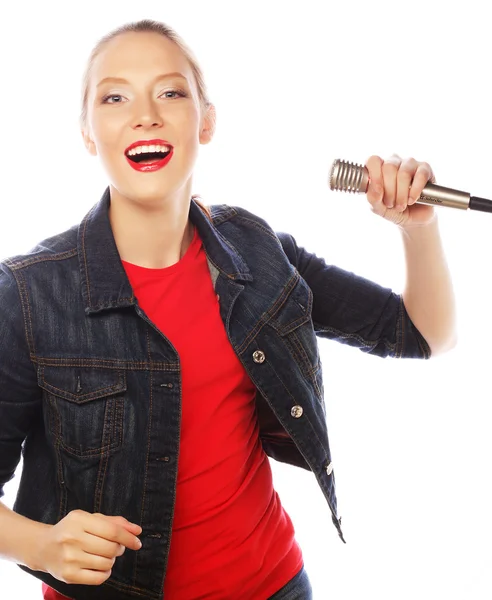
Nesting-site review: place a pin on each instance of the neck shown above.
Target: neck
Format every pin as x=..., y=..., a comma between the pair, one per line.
x=154, y=236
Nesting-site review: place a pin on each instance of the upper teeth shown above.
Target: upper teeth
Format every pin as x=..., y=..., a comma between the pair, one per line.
x=147, y=149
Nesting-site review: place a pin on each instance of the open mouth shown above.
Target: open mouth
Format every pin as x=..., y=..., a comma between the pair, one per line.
x=148, y=157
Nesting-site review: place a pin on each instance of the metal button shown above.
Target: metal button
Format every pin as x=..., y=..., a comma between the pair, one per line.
x=296, y=411
x=259, y=356
x=329, y=468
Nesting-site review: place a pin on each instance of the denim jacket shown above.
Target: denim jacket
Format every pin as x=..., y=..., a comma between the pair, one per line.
x=90, y=389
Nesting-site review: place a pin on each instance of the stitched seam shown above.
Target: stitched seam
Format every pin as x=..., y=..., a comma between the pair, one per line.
x=91, y=452
x=57, y=435
x=26, y=313
x=225, y=215
x=281, y=300
x=118, y=444
x=109, y=364
x=257, y=225
x=147, y=455
x=228, y=243
x=286, y=329
x=85, y=259
x=303, y=353
x=103, y=391
x=228, y=275
x=355, y=336
x=14, y=265
x=132, y=588
x=103, y=463
x=309, y=372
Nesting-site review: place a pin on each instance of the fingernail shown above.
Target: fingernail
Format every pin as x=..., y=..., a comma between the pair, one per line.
x=139, y=543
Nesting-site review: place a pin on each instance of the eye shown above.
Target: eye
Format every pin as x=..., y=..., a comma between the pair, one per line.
x=172, y=94
x=112, y=99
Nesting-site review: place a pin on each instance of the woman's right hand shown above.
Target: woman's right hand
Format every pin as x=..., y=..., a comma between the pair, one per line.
x=82, y=547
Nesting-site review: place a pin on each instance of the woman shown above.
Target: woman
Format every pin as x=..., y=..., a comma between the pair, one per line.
x=153, y=356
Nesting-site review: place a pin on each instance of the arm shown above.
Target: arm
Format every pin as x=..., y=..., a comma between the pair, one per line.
x=19, y=538
x=428, y=293
x=82, y=547
x=355, y=311
x=394, y=187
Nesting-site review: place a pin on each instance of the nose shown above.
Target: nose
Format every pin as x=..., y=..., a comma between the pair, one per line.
x=146, y=115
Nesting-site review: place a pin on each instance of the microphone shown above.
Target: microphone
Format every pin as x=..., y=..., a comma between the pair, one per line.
x=351, y=177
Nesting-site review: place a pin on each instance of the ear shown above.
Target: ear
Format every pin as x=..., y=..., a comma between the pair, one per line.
x=88, y=142
x=208, y=125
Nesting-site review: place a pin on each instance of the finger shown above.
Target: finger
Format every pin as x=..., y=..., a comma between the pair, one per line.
x=376, y=187
x=133, y=527
x=390, y=173
x=112, y=531
x=422, y=176
x=406, y=173
x=96, y=563
x=84, y=576
x=93, y=544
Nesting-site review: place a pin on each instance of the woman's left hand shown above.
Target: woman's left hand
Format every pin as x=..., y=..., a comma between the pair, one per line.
x=395, y=185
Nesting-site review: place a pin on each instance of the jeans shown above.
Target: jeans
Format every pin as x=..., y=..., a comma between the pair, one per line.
x=298, y=588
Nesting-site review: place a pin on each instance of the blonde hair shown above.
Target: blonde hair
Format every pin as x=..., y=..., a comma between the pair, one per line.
x=144, y=26
x=147, y=26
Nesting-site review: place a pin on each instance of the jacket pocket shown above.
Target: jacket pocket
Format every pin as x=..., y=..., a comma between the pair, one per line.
x=84, y=408
x=293, y=322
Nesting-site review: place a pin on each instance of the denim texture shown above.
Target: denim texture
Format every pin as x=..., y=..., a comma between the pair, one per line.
x=90, y=389
x=298, y=588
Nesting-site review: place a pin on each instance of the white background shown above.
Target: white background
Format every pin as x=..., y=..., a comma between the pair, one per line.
x=296, y=85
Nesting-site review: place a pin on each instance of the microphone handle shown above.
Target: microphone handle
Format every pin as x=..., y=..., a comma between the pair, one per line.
x=444, y=196
x=352, y=177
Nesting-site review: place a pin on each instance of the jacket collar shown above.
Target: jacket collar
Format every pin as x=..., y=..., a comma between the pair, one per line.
x=105, y=284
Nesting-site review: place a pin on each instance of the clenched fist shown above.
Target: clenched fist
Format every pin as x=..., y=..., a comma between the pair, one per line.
x=82, y=547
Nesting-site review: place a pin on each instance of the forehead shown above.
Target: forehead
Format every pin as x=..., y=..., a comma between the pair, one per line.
x=136, y=54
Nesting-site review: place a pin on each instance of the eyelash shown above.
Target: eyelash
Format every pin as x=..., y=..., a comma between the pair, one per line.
x=180, y=93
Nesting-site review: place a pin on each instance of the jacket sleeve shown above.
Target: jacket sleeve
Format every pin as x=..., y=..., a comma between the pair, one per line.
x=355, y=311
x=20, y=397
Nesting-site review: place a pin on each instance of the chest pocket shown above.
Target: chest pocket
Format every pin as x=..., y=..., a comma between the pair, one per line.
x=293, y=322
x=84, y=408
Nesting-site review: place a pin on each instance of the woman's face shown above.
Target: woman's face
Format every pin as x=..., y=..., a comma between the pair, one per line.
x=143, y=98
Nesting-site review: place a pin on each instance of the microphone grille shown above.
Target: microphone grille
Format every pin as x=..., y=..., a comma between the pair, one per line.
x=348, y=177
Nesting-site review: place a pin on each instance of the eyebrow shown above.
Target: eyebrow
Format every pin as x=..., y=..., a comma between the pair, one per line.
x=156, y=79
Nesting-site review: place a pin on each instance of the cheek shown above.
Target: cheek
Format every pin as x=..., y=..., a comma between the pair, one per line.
x=108, y=130
x=190, y=127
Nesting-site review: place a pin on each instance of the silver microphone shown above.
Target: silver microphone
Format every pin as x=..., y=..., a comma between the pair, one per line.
x=352, y=177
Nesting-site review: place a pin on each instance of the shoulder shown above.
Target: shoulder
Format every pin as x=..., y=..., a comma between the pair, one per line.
x=59, y=246
x=244, y=219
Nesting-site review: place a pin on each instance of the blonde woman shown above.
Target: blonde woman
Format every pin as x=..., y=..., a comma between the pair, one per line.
x=154, y=356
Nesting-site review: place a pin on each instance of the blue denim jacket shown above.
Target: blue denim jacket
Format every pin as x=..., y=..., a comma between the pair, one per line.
x=90, y=389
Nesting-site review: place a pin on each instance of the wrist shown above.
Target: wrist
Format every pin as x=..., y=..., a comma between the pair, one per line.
x=35, y=546
x=431, y=225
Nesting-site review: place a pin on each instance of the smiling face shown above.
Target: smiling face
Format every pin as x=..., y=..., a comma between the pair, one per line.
x=144, y=118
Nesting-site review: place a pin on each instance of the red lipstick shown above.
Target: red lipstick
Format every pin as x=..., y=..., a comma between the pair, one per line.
x=153, y=163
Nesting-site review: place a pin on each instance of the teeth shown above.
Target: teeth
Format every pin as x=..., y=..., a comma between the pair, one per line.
x=147, y=149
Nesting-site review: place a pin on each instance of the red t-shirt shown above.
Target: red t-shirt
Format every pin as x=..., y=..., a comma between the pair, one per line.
x=231, y=537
